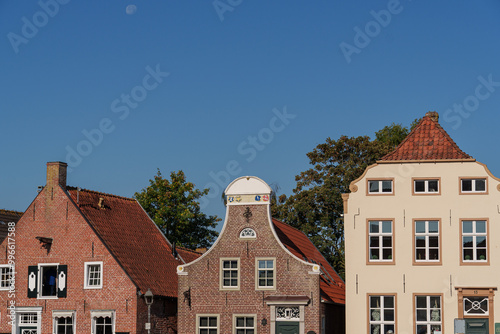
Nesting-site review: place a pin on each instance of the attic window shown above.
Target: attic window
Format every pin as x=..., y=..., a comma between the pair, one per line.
x=248, y=233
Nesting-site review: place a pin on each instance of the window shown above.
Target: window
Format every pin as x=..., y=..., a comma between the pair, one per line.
x=427, y=241
x=426, y=186
x=28, y=319
x=103, y=322
x=382, y=314
x=428, y=314
x=380, y=235
x=5, y=276
x=47, y=280
x=248, y=233
x=265, y=273
x=207, y=324
x=474, y=241
x=64, y=322
x=380, y=186
x=93, y=275
x=470, y=186
x=244, y=324
x=230, y=274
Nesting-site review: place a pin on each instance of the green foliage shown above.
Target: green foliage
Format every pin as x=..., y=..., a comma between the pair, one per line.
x=392, y=134
x=173, y=206
x=316, y=206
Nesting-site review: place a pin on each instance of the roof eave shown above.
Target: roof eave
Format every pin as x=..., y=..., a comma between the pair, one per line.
x=424, y=161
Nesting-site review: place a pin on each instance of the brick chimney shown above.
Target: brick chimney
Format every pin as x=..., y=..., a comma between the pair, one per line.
x=433, y=115
x=56, y=174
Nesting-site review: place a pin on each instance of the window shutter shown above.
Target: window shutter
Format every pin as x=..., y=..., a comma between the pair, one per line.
x=62, y=280
x=32, y=281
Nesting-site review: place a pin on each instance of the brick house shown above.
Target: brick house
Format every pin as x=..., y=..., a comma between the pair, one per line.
x=422, y=229
x=83, y=262
x=261, y=275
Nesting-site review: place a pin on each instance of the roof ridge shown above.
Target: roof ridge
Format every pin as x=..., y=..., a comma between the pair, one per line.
x=99, y=193
x=11, y=212
x=279, y=221
x=187, y=249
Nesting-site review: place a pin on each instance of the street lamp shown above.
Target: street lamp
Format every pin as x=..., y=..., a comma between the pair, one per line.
x=148, y=298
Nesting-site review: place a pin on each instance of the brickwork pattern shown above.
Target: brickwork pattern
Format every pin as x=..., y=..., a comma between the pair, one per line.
x=53, y=215
x=202, y=281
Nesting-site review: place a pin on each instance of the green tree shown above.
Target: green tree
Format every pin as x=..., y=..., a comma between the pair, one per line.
x=316, y=206
x=173, y=206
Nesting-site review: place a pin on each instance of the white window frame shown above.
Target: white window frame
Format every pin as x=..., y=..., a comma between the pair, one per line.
x=257, y=269
x=380, y=187
x=426, y=236
x=429, y=313
x=40, y=280
x=380, y=235
x=7, y=281
x=86, y=282
x=474, y=234
x=382, y=322
x=63, y=314
x=94, y=314
x=474, y=181
x=19, y=311
x=198, y=328
x=426, y=186
x=222, y=270
x=236, y=316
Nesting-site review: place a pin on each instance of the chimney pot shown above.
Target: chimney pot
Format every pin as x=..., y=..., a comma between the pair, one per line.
x=56, y=174
x=433, y=115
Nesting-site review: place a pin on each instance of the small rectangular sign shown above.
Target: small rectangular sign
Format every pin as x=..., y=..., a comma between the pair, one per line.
x=497, y=328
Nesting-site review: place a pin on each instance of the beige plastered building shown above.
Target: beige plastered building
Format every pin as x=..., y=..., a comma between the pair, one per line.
x=422, y=238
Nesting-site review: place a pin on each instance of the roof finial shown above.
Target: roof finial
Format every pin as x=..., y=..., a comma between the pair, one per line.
x=433, y=115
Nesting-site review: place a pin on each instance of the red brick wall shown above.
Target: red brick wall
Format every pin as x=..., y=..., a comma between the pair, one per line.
x=53, y=215
x=203, y=277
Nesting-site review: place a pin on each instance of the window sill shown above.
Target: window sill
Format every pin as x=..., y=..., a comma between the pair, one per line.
x=92, y=287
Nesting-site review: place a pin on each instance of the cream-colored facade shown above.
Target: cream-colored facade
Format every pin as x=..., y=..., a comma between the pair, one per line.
x=434, y=255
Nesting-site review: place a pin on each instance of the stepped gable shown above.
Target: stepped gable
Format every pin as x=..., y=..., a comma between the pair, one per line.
x=427, y=141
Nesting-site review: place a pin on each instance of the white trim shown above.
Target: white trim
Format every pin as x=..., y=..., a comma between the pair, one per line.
x=27, y=309
x=102, y=313
x=9, y=273
x=40, y=276
x=63, y=314
x=85, y=283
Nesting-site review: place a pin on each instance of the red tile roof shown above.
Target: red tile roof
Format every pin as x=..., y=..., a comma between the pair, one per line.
x=133, y=239
x=427, y=141
x=331, y=285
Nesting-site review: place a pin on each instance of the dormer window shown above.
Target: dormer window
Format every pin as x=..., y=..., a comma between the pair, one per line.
x=380, y=187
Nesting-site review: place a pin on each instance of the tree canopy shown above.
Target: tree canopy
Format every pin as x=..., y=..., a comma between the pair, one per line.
x=316, y=206
x=173, y=206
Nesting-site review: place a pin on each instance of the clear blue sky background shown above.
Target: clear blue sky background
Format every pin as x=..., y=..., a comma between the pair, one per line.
x=228, y=71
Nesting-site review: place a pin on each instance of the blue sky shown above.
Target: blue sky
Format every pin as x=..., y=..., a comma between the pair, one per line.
x=227, y=88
